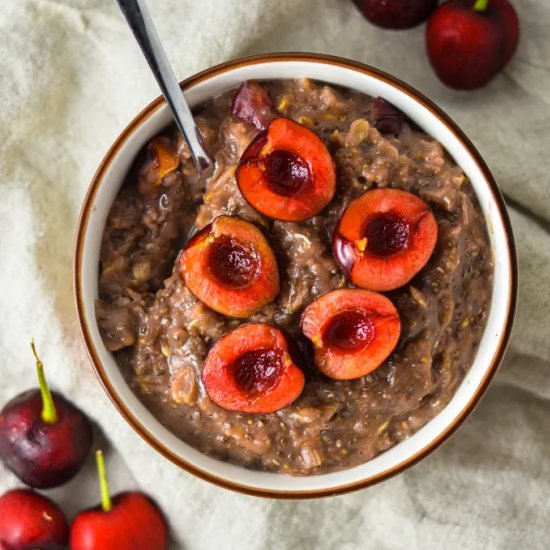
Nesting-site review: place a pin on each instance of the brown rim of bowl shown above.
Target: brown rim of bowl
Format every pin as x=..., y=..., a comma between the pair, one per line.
x=120, y=405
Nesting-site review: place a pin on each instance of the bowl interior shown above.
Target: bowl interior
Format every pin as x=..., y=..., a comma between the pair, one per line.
x=406, y=452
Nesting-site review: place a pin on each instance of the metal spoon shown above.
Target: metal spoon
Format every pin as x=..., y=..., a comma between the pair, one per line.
x=138, y=18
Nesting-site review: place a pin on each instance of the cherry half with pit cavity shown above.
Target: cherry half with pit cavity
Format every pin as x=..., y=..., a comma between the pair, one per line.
x=286, y=172
x=384, y=238
x=353, y=332
x=44, y=439
x=230, y=267
x=251, y=370
x=470, y=41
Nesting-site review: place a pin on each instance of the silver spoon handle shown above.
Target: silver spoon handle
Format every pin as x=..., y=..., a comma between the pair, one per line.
x=139, y=20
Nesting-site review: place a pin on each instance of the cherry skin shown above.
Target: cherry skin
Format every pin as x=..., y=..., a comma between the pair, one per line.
x=396, y=14
x=44, y=439
x=252, y=104
x=128, y=520
x=30, y=520
x=470, y=41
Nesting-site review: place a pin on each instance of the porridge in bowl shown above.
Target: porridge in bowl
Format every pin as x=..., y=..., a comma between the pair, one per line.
x=333, y=298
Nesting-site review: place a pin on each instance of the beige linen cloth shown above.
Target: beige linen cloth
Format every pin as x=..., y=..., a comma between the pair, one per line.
x=71, y=78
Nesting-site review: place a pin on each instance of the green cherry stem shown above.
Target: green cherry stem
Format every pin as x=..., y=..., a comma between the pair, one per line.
x=481, y=5
x=49, y=414
x=103, y=485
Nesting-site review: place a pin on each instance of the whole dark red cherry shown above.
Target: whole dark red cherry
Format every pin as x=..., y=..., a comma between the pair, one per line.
x=29, y=520
x=44, y=439
x=470, y=41
x=396, y=14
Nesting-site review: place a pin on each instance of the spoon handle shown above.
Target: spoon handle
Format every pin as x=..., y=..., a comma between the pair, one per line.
x=138, y=18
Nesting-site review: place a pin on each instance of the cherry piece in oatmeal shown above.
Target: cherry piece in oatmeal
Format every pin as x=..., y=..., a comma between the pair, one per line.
x=387, y=119
x=353, y=332
x=384, y=238
x=230, y=267
x=252, y=103
x=162, y=160
x=287, y=173
x=251, y=370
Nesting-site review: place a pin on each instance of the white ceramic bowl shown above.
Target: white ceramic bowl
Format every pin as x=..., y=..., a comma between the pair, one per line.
x=202, y=87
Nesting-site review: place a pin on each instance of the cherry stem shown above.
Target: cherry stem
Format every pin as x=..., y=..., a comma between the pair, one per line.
x=103, y=485
x=49, y=414
x=481, y=5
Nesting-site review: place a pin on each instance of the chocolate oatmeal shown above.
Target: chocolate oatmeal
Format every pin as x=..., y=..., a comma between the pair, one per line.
x=161, y=334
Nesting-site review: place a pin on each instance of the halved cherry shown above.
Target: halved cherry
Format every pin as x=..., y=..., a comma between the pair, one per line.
x=353, y=331
x=286, y=172
x=384, y=238
x=252, y=103
x=230, y=267
x=250, y=370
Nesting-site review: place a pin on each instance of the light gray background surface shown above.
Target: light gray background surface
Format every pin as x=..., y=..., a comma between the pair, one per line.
x=71, y=78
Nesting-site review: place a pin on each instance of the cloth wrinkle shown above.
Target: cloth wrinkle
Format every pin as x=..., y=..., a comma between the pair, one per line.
x=524, y=210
